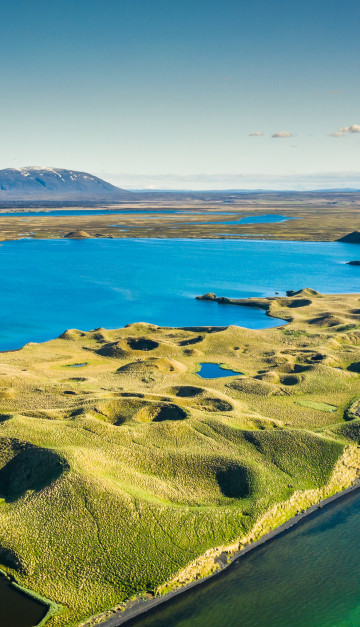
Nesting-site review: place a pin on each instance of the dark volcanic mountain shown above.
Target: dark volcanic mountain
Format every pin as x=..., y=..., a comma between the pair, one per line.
x=55, y=184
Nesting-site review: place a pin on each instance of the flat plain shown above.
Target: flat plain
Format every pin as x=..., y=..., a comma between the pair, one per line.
x=321, y=216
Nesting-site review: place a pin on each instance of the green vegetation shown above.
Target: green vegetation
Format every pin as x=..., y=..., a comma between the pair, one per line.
x=319, y=217
x=116, y=476
x=315, y=405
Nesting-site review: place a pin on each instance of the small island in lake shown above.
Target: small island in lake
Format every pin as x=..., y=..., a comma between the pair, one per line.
x=223, y=460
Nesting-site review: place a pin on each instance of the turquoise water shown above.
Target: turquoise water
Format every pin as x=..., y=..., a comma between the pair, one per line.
x=260, y=219
x=214, y=371
x=100, y=212
x=48, y=286
x=267, y=218
x=308, y=577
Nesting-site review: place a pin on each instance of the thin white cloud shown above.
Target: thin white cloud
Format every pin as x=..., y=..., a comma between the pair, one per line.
x=354, y=128
x=256, y=134
x=282, y=135
x=337, y=134
x=240, y=181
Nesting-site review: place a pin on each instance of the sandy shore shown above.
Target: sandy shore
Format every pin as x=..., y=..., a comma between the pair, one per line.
x=142, y=606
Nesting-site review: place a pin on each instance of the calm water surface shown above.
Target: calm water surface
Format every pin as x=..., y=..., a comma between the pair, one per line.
x=309, y=577
x=48, y=286
x=17, y=609
x=268, y=218
x=214, y=371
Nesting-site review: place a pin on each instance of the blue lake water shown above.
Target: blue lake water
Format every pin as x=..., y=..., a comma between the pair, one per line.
x=308, y=577
x=147, y=212
x=267, y=218
x=48, y=286
x=214, y=371
x=260, y=219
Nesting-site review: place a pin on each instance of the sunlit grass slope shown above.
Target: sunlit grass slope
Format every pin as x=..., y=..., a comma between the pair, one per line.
x=119, y=465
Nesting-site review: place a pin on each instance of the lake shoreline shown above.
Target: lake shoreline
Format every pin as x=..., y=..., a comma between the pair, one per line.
x=54, y=219
x=174, y=356
x=50, y=607
x=141, y=606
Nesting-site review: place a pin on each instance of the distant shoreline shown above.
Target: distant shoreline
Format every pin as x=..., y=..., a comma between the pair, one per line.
x=144, y=606
x=337, y=215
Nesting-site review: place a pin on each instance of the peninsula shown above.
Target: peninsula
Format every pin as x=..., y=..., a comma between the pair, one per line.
x=129, y=474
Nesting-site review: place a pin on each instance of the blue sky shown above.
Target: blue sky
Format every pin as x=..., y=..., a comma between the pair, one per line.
x=163, y=93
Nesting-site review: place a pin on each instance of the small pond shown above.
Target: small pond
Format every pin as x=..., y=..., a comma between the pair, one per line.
x=215, y=371
x=17, y=609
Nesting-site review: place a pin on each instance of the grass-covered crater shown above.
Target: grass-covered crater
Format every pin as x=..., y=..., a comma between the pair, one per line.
x=136, y=474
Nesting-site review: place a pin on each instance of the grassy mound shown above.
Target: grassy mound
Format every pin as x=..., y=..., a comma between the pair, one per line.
x=116, y=411
x=327, y=320
x=303, y=456
x=192, y=340
x=154, y=364
x=112, y=482
x=142, y=344
x=187, y=391
x=234, y=481
x=26, y=468
x=124, y=347
x=158, y=412
x=253, y=386
x=299, y=302
x=290, y=379
x=77, y=235
x=209, y=403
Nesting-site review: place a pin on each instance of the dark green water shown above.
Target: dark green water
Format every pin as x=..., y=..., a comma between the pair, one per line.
x=308, y=577
x=17, y=609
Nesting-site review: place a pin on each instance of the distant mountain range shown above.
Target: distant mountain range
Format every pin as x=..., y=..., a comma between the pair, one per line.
x=56, y=184
x=43, y=185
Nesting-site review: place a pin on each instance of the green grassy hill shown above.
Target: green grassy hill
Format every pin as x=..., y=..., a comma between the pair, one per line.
x=120, y=466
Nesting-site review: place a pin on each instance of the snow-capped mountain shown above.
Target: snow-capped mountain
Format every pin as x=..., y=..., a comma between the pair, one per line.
x=55, y=184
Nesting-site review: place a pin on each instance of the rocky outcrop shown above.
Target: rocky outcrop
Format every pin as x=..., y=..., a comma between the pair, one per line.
x=77, y=235
x=351, y=238
x=208, y=296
